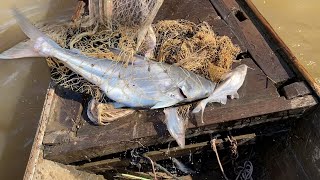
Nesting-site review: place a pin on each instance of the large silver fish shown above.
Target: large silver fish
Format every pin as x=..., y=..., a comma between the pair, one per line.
x=143, y=83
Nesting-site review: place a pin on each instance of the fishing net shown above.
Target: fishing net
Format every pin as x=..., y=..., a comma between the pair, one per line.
x=194, y=47
x=120, y=12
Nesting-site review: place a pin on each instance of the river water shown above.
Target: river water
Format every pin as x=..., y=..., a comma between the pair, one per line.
x=23, y=83
x=297, y=23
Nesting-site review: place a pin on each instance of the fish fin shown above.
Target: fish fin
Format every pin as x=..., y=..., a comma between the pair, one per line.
x=223, y=100
x=91, y=113
x=218, y=96
x=30, y=30
x=33, y=47
x=164, y=104
x=235, y=96
x=22, y=49
x=175, y=125
x=200, y=107
x=117, y=105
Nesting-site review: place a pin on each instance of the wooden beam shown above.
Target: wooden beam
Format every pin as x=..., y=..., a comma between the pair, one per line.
x=37, y=142
x=162, y=154
x=252, y=39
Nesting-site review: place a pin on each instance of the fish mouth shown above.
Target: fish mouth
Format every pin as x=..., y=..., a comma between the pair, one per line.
x=182, y=94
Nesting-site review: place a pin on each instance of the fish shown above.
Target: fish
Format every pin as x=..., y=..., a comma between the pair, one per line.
x=231, y=83
x=175, y=125
x=141, y=83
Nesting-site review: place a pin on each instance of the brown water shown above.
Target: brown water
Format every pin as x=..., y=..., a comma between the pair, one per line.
x=297, y=22
x=23, y=83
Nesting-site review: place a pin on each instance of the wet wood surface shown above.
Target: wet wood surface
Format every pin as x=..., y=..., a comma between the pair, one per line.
x=70, y=138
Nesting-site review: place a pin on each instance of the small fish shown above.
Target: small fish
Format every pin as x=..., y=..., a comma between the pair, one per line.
x=232, y=82
x=143, y=83
x=182, y=167
x=175, y=125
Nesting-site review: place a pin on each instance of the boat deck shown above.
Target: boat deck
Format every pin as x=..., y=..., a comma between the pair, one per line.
x=273, y=91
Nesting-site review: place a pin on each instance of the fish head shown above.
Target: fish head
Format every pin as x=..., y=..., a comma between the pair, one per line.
x=239, y=71
x=242, y=69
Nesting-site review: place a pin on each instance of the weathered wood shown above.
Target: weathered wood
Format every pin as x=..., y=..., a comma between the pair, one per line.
x=296, y=89
x=114, y=163
x=37, y=142
x=65, y=118
x=195, y=11
x=248, y=34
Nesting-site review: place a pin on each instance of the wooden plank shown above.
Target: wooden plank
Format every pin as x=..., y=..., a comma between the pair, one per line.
x=296, y=89
x=275, y=68
x=162, y=154
x=37, y=142
x=195, y=11
x=65, y=119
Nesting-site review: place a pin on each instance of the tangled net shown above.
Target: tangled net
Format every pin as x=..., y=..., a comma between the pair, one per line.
x=194, y=47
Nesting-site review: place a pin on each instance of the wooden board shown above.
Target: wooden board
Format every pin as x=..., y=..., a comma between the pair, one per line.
x=71, y=138
x=267, y=59
x=163, y=154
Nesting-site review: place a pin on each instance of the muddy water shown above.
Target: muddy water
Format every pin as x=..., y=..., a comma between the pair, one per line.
x=297, y=23
x=23, y=85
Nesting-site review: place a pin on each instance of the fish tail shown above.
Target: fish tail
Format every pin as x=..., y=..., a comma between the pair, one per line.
x=32, y=47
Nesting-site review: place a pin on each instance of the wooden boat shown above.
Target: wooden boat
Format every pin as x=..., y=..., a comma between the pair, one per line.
x=278, y=93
